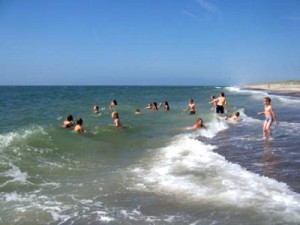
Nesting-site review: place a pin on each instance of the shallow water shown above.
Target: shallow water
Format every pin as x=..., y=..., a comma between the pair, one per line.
x=151, y=171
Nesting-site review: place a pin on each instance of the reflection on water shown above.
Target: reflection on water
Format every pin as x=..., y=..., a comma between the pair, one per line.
x=270, y=162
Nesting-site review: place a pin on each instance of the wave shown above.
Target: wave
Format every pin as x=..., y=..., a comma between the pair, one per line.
x=260, y=94
x=20, y=136
x=245, y=91
x=192, y=170
x=13, y=146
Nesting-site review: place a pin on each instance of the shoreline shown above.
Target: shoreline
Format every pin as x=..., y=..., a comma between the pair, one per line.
x=288, y=89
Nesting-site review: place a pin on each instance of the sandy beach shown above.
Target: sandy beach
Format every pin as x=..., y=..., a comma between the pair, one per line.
x=280, y=87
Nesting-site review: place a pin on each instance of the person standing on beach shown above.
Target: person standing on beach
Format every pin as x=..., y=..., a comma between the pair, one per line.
x=192, y=107
x=221, y=102
x=270, y=117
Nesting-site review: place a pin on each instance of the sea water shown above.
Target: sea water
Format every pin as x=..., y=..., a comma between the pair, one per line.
x=151, y=171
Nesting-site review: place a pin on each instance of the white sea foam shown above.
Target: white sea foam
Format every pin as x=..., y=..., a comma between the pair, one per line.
x=192, y=170
x=261, y=94
x=245, y=91
x=10, y=197
x=15, y=174
x=211, y=129
x=248, y=119
x=19, y=136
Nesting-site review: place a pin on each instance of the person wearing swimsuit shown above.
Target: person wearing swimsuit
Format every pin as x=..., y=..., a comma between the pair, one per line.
x=220, y=103
x=192, y=107
x=68, y=122
x=270, y=117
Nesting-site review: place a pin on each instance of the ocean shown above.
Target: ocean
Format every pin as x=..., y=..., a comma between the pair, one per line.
x=151, y=171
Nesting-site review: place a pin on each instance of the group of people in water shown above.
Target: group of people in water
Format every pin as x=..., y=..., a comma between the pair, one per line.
x=218, y=105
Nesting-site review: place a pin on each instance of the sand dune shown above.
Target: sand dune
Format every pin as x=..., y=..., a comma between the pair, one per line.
x=283, y=87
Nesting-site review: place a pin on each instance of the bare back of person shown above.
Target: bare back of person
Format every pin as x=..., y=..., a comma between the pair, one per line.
x=221, y=101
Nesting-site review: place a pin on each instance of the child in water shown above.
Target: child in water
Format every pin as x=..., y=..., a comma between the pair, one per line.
x=96, y=109
x=68, y=122
x=113, y=103
x=149, y=106
x=197, y=125
x=154, y=106
x=138, y=111
x=117, y=122
x=78, y=128
x=270, y=117
x=214, y=104
x=166, y=106
x=235, y=117
x=192, y=107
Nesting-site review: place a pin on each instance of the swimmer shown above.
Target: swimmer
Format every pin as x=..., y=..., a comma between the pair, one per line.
x=166, y=106
x=235, y=117
x=221, y=102
x=96, y=109
x=117, y=122
x=78, y=128
x=270, y=117
x=197, y=125
x=154, y=106
x=113, y=103
x=149, y=106
x=138, y=111
x=68, y=122
x=192, y=107
x=214, y=104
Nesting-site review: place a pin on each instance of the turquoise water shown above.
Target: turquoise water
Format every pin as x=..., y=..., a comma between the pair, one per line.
x=151, y=171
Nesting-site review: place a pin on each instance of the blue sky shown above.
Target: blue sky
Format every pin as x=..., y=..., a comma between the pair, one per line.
x=148, y=42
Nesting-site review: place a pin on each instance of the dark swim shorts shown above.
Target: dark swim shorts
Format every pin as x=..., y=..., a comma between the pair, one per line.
x=220, y=109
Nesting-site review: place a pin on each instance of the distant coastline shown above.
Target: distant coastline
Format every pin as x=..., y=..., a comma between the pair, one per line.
x=282, y=87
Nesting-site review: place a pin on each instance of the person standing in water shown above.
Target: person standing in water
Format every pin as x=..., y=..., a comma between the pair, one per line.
x=214, y=104
x=192, y=107
x=270, y=117
x=138, y=111
x=166, y=106
x=149, y=106
x=78, y=128
x=113, y=104
x=96, y=109
x=221, y=102
x=115, y=117
x=154, y=106
x=68, y=122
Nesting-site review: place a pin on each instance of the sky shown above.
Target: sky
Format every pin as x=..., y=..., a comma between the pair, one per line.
x=148, y=42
